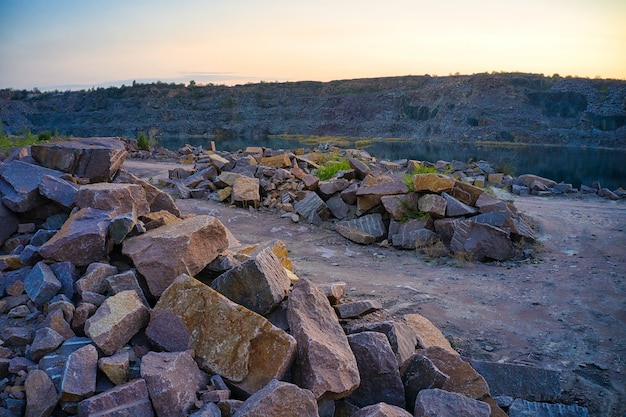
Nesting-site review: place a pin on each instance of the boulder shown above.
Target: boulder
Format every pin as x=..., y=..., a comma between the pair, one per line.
x=398, y=206
x=357, y=308
x=433, y=204
x=279, y=398
x=360, y=168
x=338, y=207
x=523, y=408
x=167, y=331
x=125, y=281
x=228, y=339
x=440, y=403
x=79, y=375
x=466, y=193
x=355, y=235
x=41, y=396
x=402, y=338
x=432, y=183
x=95, y=278
x=41, y=284
x=427, y=333
x=381, y=410
x=97, y=159
x=378, y=371
x=481, y=241
x=116, y=321
x=19, y=185
x=116, y=198
x=58, y=190
x=419, y=373
x=46, y=340
x=172, y=380
x=456, y=208
x=325, y=363
x=130, y=399
x=529, y=179
x=310, y=205
x=246, y=191
x=157, y=199
x=82, y=239
x=327, y=188
x=278, y=161
x=258, y=284
x=370, y=224
x=164, y=253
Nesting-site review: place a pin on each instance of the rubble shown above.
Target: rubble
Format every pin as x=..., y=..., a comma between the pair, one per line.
x=97, y=322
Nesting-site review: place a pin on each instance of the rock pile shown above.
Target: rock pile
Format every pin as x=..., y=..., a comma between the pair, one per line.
x=114, y=304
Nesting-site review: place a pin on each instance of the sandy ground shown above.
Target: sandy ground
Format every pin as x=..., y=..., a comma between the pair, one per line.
x=565, y=309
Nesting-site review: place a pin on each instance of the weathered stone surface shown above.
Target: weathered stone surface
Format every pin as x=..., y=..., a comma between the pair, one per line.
x=125, y=281
x=115, y=367
x=228, y=339
x=41, y=284
x=338, y=207
x=58, y=190
x=46, y=340
x=116, y=198
x=127, y=400
x=167, y=331
x=19, y=182
x=209, y=409
x=312, y=204
x=334, y=291
x=419, y=373
x=327, y=188
x=67, y=274
x=378, y=370
x=278, y=161
x=427, y=333
x=466, y=193
x=433, y=204
x=354, y=234
x=258, y=284
x=528, y=179
x=519, y=381
x=41, y=396
x=157, y=199
x=360, y=168
x=325, y=363
x=398, y=205
x=432, y=183
x=455, y=208
x=79, y=376
x=162, y=254
x=173, y=380
x=81, y=314
x=404, y=235
x=349, y=194
x=381, y=410
x=81, y=240
x=401, y=337
x=95, y=158
x=246, y=191
x=463, y=379
x=9, y=222
x=486, y=203
x=523, y=408
x=371, y=224
x=118, y=319
x=95, y=278
x=481, y=241
x=357, y=308
x=279, y=399
x=56, y=321
x=440, y=403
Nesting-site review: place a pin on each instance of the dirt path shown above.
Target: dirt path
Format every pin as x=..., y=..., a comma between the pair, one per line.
x=565, y=310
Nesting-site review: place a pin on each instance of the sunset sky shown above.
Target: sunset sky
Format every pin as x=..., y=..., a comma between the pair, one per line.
x=64, y=44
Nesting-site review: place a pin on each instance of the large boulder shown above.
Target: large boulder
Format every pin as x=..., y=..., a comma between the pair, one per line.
x=279, y=399
x=325, y=363
x=480, y=241
x=164, y=253
x=19, y=185
x=370, y=224
x=116, y=198
x=228, y=339
x=97, y=159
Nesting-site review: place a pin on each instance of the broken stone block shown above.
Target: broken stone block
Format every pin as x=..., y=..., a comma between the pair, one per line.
x=173, y=380
x=338, y=207
x=81, y=314
x=349, y=194
x=56, y=321
x=280, y=399
x=456, y=208
x=401, y=337
x=529, y=179
x=327, y=188
x=79, y=375
x=41, y=284
x=82, y=239
x=58, y=190
x=116, y=321
x=381, y=410
x=115, y=367
x=333, y=291
x=360, y=168
x=369, y=196
x=116, y=198
x=466, y=193
x=95, y=158
x=432, y=183
x=378, y=370
x=433, y=204
x=246, y=191
x=357, y=308
x=157, y=199
x=437, y=402
x=481, y=241
x=404, y=235
x=325, y=363
x=419, y=373
x=125, y=281
x=312, y=204
x=427, y=333
x=46, y=341
x=167, y=331
x=130, y=399
x=370, y=224
x=355, y=235
x=67, y=274
x=398, y=205
x=258, y=284
x=278, y=161
x=20, y=185
x=164, y=253
x=95, y=278
x=228, y=339
x=41, y=396
x=523, y=408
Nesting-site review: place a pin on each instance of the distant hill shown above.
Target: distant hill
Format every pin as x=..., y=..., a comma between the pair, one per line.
x=506, y=107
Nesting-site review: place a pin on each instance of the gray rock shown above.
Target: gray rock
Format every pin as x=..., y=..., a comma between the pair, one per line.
x=440, y=403
x=127, y=400
x=523, y=408
x=121, y=225
x=9, y=222
x=338, y=207
x=349, y=194
x=378, y=370
x=279, y=399
x=157, y=199
x=20, y=190
x=370, y=224
x=17, y=335
x=360, y=168
x=398, y=205
x=529, y=179
x=433, y=204
x=355, y=235
x=481, y=241
x=420, y=373
x=312, y=204
x=402, y=338
x=456, y=208
x=58, y=190
x=173, y=380
x=381, y=410
x=326, y=189
x=46, y=341
x=125, y=281
x=357, y=308
x=79, y=376
x=325, y=363
x=167, y=331
x=209, y=409
x=41, y=284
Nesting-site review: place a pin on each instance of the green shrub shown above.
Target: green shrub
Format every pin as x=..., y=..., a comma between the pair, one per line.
x=331, y=167
x=408, y=178
x=44, y=136
x=143, y=142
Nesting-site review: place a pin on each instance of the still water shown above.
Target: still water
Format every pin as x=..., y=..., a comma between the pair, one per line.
x=571, y=165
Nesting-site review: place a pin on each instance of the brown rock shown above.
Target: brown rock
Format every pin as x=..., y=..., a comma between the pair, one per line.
x=81, y=314
x=401, y=337
x=427, y=333
x=279, y=399
x=433, y=204
x=528, y=179
x=361, y=169
x=116, y=198
x=41, y=396
x=95, y=277
x=115, y=367
x=278, y=161
x=115, y=322
x=432, y=183
x=157, y=199
x=436, y=402
x=378, y=370
x=46, y=340
x=95, y=158
x=79, y=376
x=381, y=410
x=325, y=363
x=130, y=399
x=81, y=240
x=332, y=186
x=354, y=234
x=162, y=254
x=228, y=339
x=173, y=380
x=466, y=193
x=334, y=291
x=481, y=241
x=310, y=205
x=398, y=205
x=167, y=331
x=56, y=321
x=246, y=191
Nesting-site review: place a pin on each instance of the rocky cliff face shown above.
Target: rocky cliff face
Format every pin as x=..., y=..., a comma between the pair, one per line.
x=513, y=107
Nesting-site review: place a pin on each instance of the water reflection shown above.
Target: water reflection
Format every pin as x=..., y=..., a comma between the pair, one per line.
x=572, y=165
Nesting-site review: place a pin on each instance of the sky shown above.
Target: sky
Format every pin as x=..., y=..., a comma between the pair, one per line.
x=74, y=44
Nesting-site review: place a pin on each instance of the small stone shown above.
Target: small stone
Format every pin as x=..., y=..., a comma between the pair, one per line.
x=41, y=284
x=46, y=340
x=357, y=308
x=79, y=376
x=115, y=367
